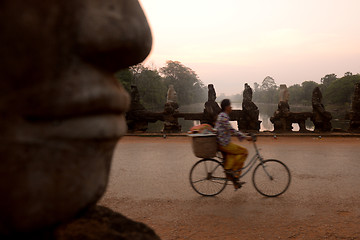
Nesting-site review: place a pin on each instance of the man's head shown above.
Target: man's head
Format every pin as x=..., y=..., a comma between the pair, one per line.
x=61, y=110
x=226, y=106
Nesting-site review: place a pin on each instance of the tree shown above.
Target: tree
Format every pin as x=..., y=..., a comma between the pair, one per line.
x=308, y=88
x=125, y=77
x=296, y=94
x=270, y=93
x=266, y=93
x=347, y=74
x=268, y=83
x=152, y=88
x=341, y=91
x=189, y=88
x=328, y=79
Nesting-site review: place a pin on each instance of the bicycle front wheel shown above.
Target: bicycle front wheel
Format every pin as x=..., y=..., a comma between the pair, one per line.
x=271, y=178
x=207, y=177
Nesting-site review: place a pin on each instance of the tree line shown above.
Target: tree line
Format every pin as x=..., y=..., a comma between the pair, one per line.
x=335, y=90
x=153, y=84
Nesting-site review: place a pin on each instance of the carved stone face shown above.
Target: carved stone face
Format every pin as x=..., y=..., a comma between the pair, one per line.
x=61, y=110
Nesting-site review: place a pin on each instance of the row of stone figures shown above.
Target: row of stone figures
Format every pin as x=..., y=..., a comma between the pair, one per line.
x=247, y=118
x=138, y=117
x=283, y=118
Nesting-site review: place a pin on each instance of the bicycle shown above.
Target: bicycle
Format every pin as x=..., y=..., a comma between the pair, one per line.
x=270, y=177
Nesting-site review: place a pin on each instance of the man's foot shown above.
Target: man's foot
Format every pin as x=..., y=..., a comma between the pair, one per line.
x=238, y=185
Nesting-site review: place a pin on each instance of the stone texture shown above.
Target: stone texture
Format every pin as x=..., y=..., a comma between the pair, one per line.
x=171, y=123
x=250, y=120
x=171, y=95
x=212, y=108
x=283, y=118
x=320, y=118
x=103, y=223
x=62, y=112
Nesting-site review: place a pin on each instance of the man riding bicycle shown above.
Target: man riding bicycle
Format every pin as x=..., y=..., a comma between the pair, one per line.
x=234, y=155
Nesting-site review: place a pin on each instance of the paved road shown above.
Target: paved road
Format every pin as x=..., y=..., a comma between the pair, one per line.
x=149, y=183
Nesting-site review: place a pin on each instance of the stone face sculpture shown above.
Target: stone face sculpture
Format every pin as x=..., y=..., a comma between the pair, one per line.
x=284, y=93
x=250, y=119
x=171, y=95
x=320, y=118
x=62, y=112
x=212, y=108
x=355, y=110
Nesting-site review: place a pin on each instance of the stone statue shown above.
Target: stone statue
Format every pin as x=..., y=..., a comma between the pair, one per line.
x=171, y=95
x=171, y=123
x=211, y=93
x=355, y=110
x=62, y=112
x=250, y=120
x=212, y=108
x=284, y=93
x=281, y=118
x=320, y=118
x=247, y=93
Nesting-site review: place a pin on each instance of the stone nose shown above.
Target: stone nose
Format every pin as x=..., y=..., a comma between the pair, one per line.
x=113, y=34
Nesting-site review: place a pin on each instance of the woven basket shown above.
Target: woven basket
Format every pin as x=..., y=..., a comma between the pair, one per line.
x=204, y=146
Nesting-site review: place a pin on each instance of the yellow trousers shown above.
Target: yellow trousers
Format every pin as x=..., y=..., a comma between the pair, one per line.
x=235, y=156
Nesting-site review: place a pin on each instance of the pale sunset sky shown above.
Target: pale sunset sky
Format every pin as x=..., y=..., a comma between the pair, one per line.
x=231, y=42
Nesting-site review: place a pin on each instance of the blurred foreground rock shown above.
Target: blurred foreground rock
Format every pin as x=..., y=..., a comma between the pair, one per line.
x=103, y=223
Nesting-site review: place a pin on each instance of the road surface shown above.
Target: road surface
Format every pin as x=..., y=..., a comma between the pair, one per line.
x=149, y=183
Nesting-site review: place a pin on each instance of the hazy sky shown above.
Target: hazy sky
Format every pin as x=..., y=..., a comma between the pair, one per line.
x=231, y=42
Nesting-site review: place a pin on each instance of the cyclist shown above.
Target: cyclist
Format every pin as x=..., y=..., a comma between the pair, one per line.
x=234, y=155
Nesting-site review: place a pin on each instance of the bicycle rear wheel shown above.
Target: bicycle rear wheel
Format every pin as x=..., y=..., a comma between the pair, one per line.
x=207, y=177
x=271, y=178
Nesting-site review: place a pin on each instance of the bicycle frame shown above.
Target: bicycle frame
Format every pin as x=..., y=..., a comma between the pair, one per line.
x=252, y=162
x=215, y=174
